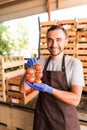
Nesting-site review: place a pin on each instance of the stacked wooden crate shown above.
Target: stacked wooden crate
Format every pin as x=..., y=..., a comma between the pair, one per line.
x=77, y=40
x=9, y=67
x=13, y=91
x=82, y=46
x=43, y=46
x=70, y=26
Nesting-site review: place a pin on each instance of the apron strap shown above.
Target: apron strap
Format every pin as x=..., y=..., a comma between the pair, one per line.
x=45, y=67
x=63, y=63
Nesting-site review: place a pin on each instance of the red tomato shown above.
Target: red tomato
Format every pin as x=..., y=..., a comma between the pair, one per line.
x=38, y=81
x=30, y=71
x=38, y=67
x=30, y=79
x=38, y=74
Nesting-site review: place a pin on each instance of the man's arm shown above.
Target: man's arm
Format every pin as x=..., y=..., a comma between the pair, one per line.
x=72, y=98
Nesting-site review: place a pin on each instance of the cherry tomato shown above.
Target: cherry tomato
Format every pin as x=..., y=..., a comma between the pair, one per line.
x=30, y=79
x=30, y=71
x=38, y=81
x=38, y=67
x=38, y=74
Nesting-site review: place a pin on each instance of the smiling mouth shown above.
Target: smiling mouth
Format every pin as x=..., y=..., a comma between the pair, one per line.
x=54, y=49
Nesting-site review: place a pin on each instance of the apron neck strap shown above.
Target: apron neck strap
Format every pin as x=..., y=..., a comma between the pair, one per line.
x=45, y=67
x=63, y=63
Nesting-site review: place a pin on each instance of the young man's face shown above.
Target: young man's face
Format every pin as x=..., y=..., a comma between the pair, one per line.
x=56, y=41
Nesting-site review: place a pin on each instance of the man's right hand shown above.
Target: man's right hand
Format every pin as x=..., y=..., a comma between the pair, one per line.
x=31, y=62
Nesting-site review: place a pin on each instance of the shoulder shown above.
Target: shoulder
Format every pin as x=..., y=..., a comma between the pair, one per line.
x=72, y=61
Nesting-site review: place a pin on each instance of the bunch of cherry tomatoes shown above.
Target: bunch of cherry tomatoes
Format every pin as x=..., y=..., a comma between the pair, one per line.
x=34, y=74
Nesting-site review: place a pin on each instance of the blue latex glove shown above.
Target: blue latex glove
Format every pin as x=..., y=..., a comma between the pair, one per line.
x=40, y=87
x=31, y=62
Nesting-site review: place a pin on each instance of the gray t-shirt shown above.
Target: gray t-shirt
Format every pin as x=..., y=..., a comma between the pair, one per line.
x=73, y=67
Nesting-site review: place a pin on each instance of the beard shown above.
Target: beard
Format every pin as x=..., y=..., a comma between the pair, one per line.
x=53, y=53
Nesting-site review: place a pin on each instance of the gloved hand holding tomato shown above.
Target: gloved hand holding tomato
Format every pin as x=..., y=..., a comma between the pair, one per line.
x=33, y=71
x=40, y=87
x=31, y=62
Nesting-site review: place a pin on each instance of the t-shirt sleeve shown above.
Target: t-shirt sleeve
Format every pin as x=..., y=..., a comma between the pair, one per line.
x=77, y=77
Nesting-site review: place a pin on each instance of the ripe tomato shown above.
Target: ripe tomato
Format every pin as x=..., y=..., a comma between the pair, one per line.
x=38, y=81
x=30, y=71
x=30, y=79
x=38, y=74
x=38, y=67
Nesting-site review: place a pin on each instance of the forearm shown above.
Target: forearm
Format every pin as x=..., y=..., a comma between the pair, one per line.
x=71, y=98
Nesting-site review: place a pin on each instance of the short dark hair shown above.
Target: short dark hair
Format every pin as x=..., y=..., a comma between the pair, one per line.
x=57, y=27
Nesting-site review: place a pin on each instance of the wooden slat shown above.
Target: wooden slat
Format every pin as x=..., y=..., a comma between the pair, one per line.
x=43, y=46
x=13, y=64
x=83, y=45
x=14, y=73
x=20, y=98
x=44, y=52
x=44, y=56
x=84, y=52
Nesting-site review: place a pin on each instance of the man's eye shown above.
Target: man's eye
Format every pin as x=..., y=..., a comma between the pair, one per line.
x=59, y=39
x=49, y=40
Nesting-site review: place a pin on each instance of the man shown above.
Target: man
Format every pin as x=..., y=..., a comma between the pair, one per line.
x=62, y=86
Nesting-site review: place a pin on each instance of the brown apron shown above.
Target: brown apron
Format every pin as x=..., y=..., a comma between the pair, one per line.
x=51, y=113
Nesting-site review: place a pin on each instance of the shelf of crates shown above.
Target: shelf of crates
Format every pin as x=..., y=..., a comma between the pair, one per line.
x=10, y=66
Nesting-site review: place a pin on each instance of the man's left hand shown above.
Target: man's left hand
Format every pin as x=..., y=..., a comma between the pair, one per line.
x=40, y=87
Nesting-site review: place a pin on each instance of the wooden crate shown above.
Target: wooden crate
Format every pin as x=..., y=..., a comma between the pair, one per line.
x=44, y=51
x=21, y=98
x=82, y=55
x=10, y=66
x=71, y=35
x=82, y=23
x=82, y=36
x=13, y=91
x=13, y=84
x=70, y=49
x=68, y=24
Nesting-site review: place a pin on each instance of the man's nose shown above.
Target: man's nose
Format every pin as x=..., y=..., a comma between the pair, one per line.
x=54, y=43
